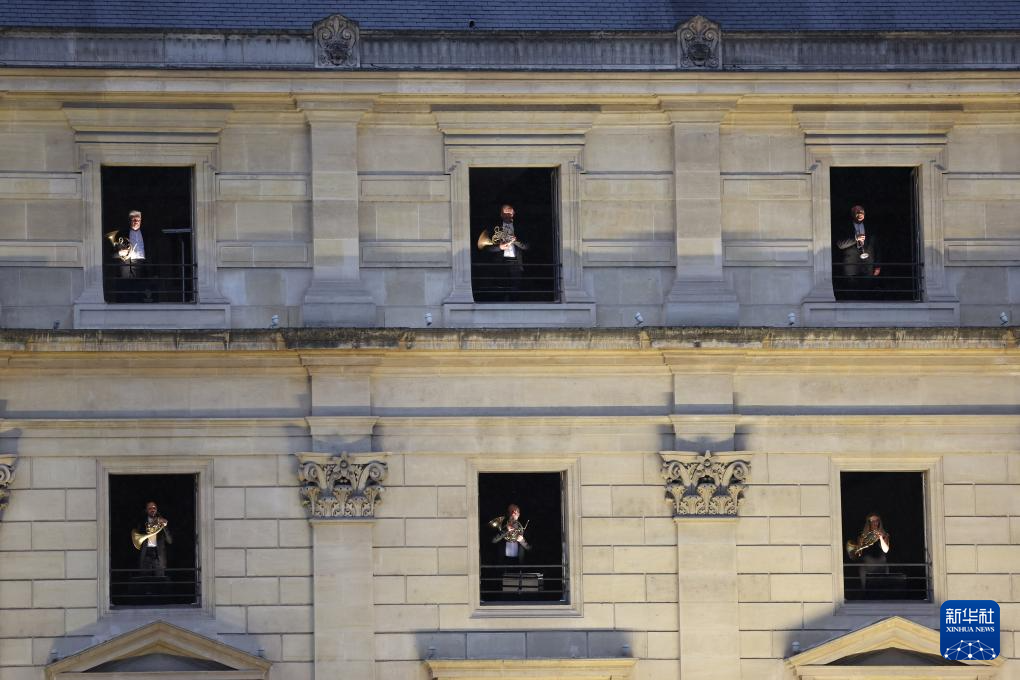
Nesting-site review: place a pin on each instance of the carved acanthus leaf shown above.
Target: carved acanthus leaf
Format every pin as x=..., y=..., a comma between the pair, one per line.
x=6, y=477
x=338, y=487
x=701, y=486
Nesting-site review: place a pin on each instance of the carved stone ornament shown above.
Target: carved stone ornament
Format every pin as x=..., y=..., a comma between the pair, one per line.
x=336, y=487
x=6, y=477
x=705, y=487
x=700, y=44
x=337, y=42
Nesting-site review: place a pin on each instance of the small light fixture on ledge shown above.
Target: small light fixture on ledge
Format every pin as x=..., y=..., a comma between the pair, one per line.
x=791, y=319
x=274, y=321
x=1003, y=318
x=638, y=319
x=428, y=318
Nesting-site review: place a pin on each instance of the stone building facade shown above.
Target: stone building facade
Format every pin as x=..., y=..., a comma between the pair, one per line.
x=327, y=412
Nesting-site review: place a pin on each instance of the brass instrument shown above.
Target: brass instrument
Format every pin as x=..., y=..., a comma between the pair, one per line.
x=865, y=541
x=152, y=527
x=508, y=530
x=120, y=244
x=500, y=235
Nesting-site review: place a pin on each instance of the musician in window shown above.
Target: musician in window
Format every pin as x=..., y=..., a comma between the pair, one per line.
x=859, y=252
x=151, y=538
x=510, y=535
x=871, y=547
x=506, y=250
x=129, y=249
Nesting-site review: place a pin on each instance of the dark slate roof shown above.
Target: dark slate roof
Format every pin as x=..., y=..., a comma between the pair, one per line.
x=517, y=15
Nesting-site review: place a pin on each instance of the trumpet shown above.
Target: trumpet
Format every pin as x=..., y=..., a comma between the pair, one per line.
x=138, y=539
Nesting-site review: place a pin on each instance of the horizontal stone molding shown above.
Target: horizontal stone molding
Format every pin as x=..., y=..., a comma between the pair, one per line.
x=154, y=316
x=983, y=252
x=406, y=254
x=886, y=314
x=36, y=185
x=405, y=188
x=511, y=315
x=627, y=187
x=759, y=253
x=628, y=253
x=264, y=254
x=983, y=187
x=514, y=50
x=262, y=187
x=40, y=254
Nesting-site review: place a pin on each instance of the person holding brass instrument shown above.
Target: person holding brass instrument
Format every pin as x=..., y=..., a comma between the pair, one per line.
x=871, y=547
x=510, y=533
x=151, y=538
x=507, y=250
x=859, y=250
x=129, y=249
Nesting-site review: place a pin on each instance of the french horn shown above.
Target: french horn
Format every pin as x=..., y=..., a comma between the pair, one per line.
x=855, y=548
x=501, y=234
x=138, y=539
x=119, y=244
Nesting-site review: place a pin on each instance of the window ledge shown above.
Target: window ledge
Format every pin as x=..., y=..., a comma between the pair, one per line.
x=151, y=316
x=519, y=315
x=517, y=611
x=883, y=608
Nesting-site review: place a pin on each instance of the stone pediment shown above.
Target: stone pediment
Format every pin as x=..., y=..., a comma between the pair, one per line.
x=892, y=647
x=160, y=650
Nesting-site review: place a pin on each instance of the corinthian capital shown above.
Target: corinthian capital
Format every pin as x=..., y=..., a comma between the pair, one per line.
x=337, y=487
x=699, y=485
x=6, y=477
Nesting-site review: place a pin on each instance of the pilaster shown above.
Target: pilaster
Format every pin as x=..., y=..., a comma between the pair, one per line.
x=700, y=295
x=706, y=492
x=336, y=296
x=340, y=495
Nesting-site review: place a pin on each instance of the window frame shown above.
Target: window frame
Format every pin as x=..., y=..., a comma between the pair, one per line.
x=204, y=523
x=931, y=469
x=568, y=467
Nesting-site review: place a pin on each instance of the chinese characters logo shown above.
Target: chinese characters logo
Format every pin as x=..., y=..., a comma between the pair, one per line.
x=969, y=630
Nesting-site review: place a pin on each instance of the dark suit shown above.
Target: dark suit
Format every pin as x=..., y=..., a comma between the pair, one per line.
x=848, y=274
x=152, y=561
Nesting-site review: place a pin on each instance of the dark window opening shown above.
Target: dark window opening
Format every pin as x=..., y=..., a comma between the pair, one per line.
x=892, y=245
x=897, y=500
x=535, y=570
x=530, y=273
x=164, y=197
x=153, y=570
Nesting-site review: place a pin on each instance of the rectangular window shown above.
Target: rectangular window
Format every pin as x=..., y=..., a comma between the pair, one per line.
x=887, y=265
x=152, y=564
x=157, y=262
x=528, y=268
x=885, y=540
x=522, y=557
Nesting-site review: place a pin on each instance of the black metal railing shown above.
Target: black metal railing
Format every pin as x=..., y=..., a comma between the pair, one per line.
x=897, y=281
x=522, y=584
x=146, y=283
x=142, y=588
x=511, y=282
x=887, y=581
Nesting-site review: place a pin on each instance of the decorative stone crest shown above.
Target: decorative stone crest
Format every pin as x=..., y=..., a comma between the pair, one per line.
x=6, y=477
x=337, y=487
x=700, y=44
x=337, y=42
x=705, y=487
